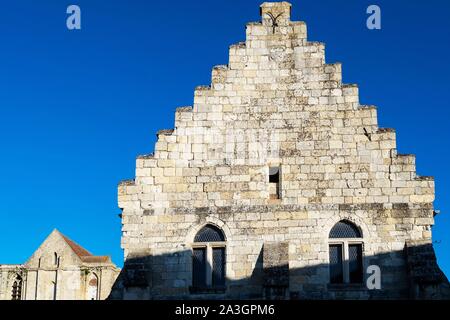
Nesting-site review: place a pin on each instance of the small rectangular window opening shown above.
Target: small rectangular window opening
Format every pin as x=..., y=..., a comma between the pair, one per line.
x=274, y=183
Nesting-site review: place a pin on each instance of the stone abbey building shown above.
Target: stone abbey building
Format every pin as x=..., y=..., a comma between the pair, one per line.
x=277, y=184
x=59, y=269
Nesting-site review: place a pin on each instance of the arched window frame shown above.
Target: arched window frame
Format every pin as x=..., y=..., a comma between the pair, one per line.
x=345, y=244
x=16, y=293
x=209, y=248
x=92, y=276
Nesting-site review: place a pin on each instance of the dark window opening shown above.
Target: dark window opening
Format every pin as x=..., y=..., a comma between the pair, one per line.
x=17, y=289
x=199, y=267
x=208, y=260
x=346, y=254
x=355, y=263
x=218, y=270
x=274, y=183
x=336, y=266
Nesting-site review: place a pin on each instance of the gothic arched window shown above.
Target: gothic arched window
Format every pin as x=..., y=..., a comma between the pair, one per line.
x=92, y=288
x=208, y=258
x=346, y=253
x=17, y=288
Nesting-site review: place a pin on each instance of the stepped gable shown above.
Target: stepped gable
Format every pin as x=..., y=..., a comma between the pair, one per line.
x=278, y=91
x=274, y=152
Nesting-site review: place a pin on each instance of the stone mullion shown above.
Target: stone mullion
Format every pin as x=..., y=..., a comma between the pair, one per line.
x=209, y=264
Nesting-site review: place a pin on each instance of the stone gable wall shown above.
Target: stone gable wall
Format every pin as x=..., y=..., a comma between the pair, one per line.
x=71, y=275
x=276, y=103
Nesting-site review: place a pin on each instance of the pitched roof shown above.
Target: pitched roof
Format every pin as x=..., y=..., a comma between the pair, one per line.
x=82, y=253
x=79, y=250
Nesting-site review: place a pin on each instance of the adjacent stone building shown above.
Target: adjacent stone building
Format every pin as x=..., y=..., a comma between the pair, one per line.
x=59, y=269
x=277, y=184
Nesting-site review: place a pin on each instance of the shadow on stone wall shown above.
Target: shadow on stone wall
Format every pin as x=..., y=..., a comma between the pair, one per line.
x=412, y=273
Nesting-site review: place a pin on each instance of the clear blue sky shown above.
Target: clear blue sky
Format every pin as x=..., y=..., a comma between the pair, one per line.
x=77, y=107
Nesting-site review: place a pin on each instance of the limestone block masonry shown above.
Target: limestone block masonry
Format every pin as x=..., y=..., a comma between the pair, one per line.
x=277, y=104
